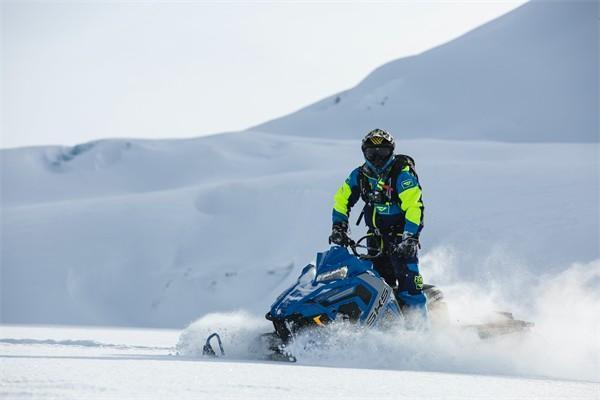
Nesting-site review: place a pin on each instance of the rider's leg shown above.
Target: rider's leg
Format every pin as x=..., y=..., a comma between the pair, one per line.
x=382, y=264
x=410, y=291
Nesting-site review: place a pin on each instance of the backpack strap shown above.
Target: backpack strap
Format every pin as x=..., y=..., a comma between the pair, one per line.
x=363, y=183
x=365, y=187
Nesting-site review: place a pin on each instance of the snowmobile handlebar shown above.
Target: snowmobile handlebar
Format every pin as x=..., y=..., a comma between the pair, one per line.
x=377, y=252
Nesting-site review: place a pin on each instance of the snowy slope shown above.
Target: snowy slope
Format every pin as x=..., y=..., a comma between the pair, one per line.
x=156, y=233
x=160, y=233
x=140, y=364
x=530, y=75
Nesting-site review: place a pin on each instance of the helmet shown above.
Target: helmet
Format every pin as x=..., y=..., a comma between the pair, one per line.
x=378, y=147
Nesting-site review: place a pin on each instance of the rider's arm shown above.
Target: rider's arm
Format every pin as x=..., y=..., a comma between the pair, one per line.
x=411, y=202
x=346, y=196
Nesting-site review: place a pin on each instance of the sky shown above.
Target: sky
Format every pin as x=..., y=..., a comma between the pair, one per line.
x=75, y=71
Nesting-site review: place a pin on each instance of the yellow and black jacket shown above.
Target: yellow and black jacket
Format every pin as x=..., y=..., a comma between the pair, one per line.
x=392, y=203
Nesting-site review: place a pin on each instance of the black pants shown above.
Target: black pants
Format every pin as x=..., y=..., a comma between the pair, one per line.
x=400, y=273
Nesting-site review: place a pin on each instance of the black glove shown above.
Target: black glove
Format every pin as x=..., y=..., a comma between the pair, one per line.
x=339, y=234
x=408, y=247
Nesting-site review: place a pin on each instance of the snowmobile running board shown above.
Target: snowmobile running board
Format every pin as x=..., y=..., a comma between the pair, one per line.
x=208, y=350
x=507, y=325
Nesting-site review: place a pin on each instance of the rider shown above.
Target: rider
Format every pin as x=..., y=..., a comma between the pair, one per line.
x=393, y=212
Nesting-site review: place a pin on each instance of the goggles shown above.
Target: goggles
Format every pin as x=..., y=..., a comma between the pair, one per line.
x=378, y=153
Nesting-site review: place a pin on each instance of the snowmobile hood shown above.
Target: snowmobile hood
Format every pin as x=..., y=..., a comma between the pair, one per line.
x=338, y=278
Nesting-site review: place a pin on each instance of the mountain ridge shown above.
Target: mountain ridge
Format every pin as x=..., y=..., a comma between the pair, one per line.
x=528, y=76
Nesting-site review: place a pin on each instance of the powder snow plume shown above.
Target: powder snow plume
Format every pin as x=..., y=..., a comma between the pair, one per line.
x=563, y=344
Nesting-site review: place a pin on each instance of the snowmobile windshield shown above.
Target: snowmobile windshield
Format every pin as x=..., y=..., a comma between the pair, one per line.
x=308, y=275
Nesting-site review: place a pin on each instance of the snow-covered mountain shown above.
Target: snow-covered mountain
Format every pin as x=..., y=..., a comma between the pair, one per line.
x=528, y=76
x=212, y=223
x=158, y=232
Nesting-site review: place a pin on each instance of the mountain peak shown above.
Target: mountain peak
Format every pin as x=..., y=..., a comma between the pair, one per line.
x=528, y=76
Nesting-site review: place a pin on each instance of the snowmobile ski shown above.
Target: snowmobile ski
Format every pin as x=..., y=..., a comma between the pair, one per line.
x=208, y=350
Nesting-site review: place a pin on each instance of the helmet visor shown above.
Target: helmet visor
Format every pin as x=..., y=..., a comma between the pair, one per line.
x=378, y=156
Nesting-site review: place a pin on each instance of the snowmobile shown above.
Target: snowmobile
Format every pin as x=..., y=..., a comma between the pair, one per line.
x=344, y=286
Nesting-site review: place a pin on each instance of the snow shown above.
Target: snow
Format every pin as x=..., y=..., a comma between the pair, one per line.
x=529, y=75
x=201, y=235
x=564, y=311
x=210, y=241
x=121, y=368
x=158, y=233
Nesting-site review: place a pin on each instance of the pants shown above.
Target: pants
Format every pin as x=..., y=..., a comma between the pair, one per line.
x=401, y=274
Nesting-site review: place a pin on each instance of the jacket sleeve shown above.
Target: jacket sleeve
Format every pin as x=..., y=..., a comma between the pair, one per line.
x=411, y=201
x=346, y=197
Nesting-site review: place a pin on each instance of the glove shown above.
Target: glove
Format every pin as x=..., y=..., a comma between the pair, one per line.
x=339, y=234
x=408, y=247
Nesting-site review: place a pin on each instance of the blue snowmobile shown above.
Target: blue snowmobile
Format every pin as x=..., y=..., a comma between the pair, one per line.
x=341, y=286
x=344, y=286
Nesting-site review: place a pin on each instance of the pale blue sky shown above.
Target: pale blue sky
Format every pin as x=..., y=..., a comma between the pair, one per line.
x=78, y=71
